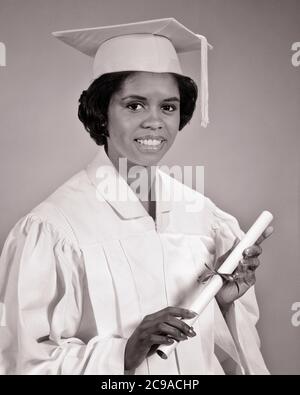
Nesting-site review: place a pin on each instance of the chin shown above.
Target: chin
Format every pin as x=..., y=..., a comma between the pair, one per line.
x=148, y=160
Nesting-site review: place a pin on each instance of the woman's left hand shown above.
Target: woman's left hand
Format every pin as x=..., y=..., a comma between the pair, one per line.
x=244, y=275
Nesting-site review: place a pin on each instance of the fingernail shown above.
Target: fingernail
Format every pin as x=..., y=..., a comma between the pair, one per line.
x=183, y=336
x=170, y=341
x=193, y=313
x=191, y=332
x=247, y=251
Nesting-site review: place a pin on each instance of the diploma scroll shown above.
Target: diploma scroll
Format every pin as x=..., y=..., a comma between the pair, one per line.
x=209, y=290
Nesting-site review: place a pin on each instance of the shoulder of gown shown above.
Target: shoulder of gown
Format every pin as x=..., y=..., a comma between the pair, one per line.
x=42, y=282
x=41, y=265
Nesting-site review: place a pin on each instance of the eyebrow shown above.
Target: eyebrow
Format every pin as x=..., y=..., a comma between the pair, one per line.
x=137, y=97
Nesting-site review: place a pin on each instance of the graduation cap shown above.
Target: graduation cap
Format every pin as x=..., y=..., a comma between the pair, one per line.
x=142, y=46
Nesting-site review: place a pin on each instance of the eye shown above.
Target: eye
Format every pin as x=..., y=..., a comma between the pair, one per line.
x=135, y=106
x=169, y=107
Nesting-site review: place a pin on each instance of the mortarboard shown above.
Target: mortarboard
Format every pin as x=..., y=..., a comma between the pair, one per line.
x=142, y=46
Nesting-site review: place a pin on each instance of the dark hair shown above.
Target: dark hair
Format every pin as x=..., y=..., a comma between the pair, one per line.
x=94, y=102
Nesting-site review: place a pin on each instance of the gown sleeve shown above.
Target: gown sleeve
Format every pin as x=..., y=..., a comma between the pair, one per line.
x=242, y=317
x=41, y=287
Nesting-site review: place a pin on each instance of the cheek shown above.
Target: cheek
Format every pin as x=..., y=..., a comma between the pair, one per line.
x=173, y=124
x=121, y=125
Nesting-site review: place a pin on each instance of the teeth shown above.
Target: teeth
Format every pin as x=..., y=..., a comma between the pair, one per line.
x=149, y=142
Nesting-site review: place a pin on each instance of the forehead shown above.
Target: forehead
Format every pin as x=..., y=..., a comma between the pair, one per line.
x=150, y=83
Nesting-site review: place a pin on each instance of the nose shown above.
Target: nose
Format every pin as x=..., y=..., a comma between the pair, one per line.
x=153, y=120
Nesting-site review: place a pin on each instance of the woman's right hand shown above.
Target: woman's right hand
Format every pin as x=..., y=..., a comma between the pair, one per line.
x=156, y=329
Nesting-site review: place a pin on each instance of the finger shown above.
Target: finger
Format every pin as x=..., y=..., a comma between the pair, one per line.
x=165, y=329
x=174, y=311
x=180, y=326
x=242, y=268
x=251, y=264
x=158, y=339
x=245, y=269
x=267, y=233
x=250, y=278
x=252, y=251
x=239, y=271
x=245, y=281
x=246, y=265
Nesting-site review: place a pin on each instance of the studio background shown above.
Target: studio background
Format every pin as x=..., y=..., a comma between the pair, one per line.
x=250, y=149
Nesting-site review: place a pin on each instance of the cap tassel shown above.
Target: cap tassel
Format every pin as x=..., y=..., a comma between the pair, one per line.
x=204, y=81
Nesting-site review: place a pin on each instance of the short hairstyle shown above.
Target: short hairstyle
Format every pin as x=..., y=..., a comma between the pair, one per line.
x=94, y=102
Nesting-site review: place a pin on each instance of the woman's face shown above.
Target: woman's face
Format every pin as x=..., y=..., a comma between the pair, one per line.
x=143, y=118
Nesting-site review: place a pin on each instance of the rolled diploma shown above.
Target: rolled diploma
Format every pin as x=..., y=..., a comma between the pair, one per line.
x=213, y=286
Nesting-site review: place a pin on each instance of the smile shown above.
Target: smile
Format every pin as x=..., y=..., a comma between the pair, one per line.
x=150, y=143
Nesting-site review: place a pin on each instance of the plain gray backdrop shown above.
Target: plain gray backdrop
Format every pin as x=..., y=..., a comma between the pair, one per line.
x=250, y=149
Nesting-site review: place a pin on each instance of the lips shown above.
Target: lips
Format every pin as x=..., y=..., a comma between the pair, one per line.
x=150, y=142
x=150, y=139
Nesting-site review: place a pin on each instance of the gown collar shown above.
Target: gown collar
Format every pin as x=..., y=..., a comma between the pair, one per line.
x=112, y=187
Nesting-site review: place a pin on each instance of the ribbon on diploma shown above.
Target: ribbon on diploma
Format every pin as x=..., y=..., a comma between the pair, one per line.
x=230, y=278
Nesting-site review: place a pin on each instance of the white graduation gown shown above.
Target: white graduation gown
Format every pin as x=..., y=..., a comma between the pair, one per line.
x=81, y=270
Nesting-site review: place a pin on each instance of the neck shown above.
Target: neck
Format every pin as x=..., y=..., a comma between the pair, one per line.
x=139, y=177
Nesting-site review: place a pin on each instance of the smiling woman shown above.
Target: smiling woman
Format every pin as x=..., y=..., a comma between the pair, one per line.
x=143, y=113
x=93, y=280
x=94, y=101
